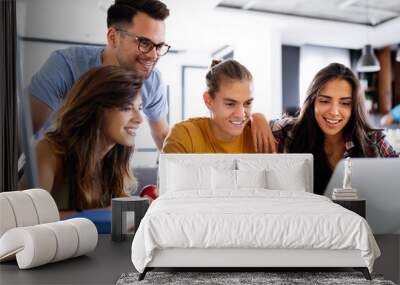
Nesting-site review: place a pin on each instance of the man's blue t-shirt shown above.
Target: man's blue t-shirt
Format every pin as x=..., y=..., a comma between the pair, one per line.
x=52, y=82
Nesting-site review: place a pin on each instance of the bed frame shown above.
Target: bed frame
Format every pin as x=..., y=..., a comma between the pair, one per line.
x=259, y=259
x=248, y=259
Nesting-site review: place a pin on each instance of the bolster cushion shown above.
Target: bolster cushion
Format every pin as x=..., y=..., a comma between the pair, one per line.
x=40, y=244
x=26, y=208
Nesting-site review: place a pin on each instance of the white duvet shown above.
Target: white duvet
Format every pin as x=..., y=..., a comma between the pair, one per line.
x=252, y=218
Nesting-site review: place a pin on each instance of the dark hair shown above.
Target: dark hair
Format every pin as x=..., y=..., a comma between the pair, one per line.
x=123, y=11
x=309, y=135
x=309, y=138
x=78, y=135
x=228, y=70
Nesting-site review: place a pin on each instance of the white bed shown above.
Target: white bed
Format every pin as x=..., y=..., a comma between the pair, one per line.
x=247, y=211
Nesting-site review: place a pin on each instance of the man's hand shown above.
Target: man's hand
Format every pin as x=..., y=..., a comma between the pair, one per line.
x=263, y=138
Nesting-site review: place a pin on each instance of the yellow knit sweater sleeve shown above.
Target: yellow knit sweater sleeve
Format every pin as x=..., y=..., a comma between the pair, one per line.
x=178, y=140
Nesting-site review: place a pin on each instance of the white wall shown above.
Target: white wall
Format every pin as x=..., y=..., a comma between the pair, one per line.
x=171, y=68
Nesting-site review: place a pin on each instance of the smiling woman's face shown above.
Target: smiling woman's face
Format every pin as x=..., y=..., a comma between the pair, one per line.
x=333, y=107
x=121, y=124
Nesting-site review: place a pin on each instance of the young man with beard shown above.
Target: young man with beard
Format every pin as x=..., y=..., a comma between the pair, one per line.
x=135, y=41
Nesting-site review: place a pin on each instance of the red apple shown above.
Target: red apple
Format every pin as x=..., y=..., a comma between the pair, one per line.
x=150, y=191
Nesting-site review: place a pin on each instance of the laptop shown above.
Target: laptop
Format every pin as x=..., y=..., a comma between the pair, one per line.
x=377, y=180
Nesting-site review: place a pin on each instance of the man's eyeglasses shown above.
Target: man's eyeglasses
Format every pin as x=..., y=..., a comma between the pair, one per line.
x=145, y=45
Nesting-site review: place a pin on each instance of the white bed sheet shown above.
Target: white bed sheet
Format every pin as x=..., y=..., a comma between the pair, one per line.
x=251, y=218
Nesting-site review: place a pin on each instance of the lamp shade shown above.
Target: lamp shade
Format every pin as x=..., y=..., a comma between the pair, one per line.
x=368, y=61
x=398, y=54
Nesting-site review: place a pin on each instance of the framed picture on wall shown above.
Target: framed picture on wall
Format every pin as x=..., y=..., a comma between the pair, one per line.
x=193, y=87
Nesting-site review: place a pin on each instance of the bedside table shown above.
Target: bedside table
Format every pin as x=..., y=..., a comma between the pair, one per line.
x=357, y=206
x=124, y=210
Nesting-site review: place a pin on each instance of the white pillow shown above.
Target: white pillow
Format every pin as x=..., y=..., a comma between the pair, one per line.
x=223, y=179
x=281, y=174
x=291, y=179
x=188, y=177
x=235, y=179
x=251, y=178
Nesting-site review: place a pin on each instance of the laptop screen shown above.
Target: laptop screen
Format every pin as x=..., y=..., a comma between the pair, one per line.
x=377, y=180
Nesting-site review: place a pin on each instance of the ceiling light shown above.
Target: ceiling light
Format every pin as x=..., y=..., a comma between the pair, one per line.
x=368, y=61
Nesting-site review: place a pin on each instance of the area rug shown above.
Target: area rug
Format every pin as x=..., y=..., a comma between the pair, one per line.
x=268, y=278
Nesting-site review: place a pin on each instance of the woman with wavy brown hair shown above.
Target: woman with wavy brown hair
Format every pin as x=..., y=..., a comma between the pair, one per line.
x=84, y=160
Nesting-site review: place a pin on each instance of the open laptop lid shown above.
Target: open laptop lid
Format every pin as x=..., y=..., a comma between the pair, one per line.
x=378, y=182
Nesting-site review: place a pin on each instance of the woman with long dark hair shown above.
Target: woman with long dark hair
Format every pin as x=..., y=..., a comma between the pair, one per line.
x=332, y=124
x=84, y=160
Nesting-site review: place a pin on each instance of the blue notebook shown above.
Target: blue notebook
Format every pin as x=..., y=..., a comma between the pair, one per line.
x=101, y=219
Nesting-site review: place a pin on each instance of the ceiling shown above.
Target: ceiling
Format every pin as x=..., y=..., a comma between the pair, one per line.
x=199, y=25
x=365, y=12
